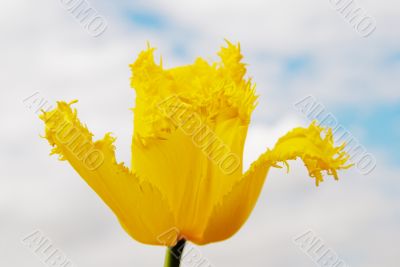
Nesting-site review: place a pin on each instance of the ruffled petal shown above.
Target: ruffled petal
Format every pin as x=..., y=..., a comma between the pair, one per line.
x=209, y=90
x=318, y=154
x=139, y=206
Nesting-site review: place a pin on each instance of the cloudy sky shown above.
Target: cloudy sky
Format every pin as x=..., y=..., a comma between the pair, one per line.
x=293, y=50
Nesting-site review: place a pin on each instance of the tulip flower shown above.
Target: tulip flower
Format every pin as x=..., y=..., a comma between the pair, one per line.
x=186, y=180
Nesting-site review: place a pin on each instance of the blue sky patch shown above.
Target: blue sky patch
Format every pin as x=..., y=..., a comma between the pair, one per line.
x=147, y=19
x=381, y=124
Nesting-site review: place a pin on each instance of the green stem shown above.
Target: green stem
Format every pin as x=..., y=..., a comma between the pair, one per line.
x=174, y=254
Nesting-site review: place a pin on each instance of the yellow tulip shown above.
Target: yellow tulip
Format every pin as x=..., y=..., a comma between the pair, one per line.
x=186, y=174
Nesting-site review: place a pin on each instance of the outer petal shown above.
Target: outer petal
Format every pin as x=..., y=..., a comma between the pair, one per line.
x=234, y=208
x=231, y=211
x=139, y=206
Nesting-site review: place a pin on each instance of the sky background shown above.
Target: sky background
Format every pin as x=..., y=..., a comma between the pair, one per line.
x=293, y=49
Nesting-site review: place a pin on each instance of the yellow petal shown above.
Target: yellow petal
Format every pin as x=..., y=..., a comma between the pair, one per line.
x=189, y=170
x=180, y=151
x=233, y=209
x=209, y=89
x=139, y=206
x=231, y=62
x=318, y=153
